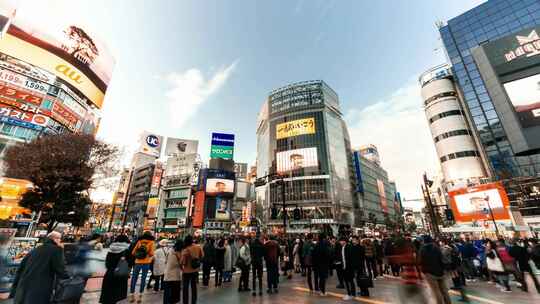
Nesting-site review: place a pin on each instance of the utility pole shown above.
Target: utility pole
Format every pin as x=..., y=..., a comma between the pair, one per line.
x=283, y=204
x=429, y=203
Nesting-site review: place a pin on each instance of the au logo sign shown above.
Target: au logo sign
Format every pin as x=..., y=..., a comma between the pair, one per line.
x=69, y=72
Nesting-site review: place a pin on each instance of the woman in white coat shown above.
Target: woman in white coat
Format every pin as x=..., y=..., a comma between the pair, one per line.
x=172, y=280
x=228, y=264
x=160, y=259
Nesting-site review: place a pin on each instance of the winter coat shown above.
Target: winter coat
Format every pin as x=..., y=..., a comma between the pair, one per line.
x=189, y=253
x=220, y=258
x=245, y=254
x=36, y=275
x=296, y=254
x=431, y=260
x=160, y=259
x=172, y=267
x=307, y=253
x=351, y=262
x=209, y=254
x=257, y=252
x=271, y=252
x=468, y=251
x=521, y=255
x=149, y=244
x=227, y=260
x=114, y=289
x=322, y=257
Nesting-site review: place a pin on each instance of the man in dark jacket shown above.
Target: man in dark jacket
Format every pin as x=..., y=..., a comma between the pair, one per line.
x=431, y=262
x=271, y=248
x=522, y=256
x=349, y=263
x=209, y=260
x=35, y=278
x=322, y=260
x=335, y=249
x=257, y=256
x=307, y=253
x=469, y=252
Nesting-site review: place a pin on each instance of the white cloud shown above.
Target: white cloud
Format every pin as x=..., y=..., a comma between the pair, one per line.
x=397, y=126
x=190, y=90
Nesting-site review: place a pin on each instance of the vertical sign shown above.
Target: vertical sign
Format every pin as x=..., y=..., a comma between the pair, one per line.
x=222, y=146
x=382, y=195
x=198, y=212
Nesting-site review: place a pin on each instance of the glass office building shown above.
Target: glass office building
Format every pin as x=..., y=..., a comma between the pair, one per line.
x=302, y=137
x=487, y=22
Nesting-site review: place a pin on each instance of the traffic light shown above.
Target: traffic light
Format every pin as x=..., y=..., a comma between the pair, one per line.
x=297, y=214
x=273, y=213
x=449, y=214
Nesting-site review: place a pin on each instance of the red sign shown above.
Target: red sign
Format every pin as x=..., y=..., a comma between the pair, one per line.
x=198, y=213
x=65, y=113
x=9, y=91
x=483, y=202
x=23, y=106
x=37, y=119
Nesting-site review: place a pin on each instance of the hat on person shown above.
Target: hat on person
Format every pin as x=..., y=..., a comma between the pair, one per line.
x=163, y=242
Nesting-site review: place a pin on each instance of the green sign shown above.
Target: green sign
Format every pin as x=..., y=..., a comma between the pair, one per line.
x=225, y=152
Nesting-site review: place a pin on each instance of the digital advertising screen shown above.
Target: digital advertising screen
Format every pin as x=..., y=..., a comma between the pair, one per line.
x=295, y=128
x=219, y=186
x=223, y=209
x=474, y=203
x=297, y=159
x=524, y=95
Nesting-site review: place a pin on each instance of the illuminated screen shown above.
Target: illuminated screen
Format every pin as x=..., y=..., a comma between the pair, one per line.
x=525, y=97
x=295, y=128
x=215, y=186
x=297, y=159
x=474, y=204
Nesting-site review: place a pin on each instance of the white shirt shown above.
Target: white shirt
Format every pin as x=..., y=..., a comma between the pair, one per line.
x=343, y=255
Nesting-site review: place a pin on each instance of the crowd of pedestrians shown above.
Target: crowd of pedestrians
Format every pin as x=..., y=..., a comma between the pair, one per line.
x=173, y=266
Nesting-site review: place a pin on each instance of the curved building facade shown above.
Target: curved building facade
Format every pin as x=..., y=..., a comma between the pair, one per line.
x=458, y=154
x=302, y=137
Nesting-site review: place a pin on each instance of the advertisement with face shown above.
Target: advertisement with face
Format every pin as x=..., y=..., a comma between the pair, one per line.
x=219, y=186
x=525, y=97
x=297, y=159
x=474, y=203
x=223, y=209
x=178, y=146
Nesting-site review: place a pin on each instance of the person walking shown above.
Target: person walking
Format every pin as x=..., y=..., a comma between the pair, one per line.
x=39, y=269
x=228, y=261
x=257, y=255
x=452, y=263
x=496, y=267
x=209, y=260
x=143, y=252
x=469, y=253
x=220, y=262
x=335, y=249
x=244, y=262
x=371, y=264
x=271, y=258
x=172, y=278
x=307, y=252
x=349, y=264
x=115, y=285
x=520, y=254
x=322, y=260
x=190, y=263
x=431, y=263
x=160, y=259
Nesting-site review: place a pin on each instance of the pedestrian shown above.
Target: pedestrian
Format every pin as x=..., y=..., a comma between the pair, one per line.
x=349, y=263
x=335, y=249
x=220, y=262
x=257, y=255
x=39, y=269
x=496, y=267
x=271, y=258
x=379, y=255
x=172, y=278
x=362, y=280
x=469, y=253
x=452, y=262
x=244, y=262
x=160, y=259
x=209, y=260
x=307, y=252
x=190, y=263
x=404, y=255
x=322, y=261
x=115, y=284
x=371, y=264
x=143, y=252
x=432, y=266
x=228, y=261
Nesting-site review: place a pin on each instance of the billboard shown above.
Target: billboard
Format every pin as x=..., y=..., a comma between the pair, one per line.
x=382, y=195
x=474, y=203
x=240, y=170
x=223, y=209
x=150, y=144
x=217, y=186
x=156, y=181
x=524, y=95
x=297, y=159
x=222, y=146
x=178, y=146
x=198, y=211
x=295, y=128
x=152, y=207
x=66, y=51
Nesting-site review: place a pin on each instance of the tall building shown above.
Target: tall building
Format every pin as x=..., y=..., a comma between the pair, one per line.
x=301, y=136
x=139, y=194
x=487, y=22
x=377, y=196
x=458, y=154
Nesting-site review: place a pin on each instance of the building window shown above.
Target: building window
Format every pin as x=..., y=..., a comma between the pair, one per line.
x=460, y=154
x=452, y=133
x=445, y=114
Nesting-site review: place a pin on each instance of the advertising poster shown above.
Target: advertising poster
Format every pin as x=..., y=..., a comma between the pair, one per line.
x=525, y=97
x=223, y=209
x=222, y=146
x=473, y=204
x=19, y=247
x=295, y=128
x=152, y=207
x=297, y=159
x=178, y=146
x=198, y=212
x=156, y=181
x=219, y=186
x=382, y=195
x=150, y=144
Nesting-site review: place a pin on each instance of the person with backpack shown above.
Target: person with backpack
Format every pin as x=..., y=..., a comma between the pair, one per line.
x=431, y=262
x=244, y=262
x=142, y=252
x=115, y=281
x=160, y=259
x=172, y=279
x=190, y=263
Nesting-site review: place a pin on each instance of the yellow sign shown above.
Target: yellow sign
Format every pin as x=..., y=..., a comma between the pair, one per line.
x=151, y=209
x=44, y=59
x=11, y=190
x=295, y=128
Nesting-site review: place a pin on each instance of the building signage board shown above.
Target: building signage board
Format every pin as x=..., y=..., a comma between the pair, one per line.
x=151, y=144
x=297, y=159
x=178, y=146
x=295, y=128
x=478, y=203
x=222, y=146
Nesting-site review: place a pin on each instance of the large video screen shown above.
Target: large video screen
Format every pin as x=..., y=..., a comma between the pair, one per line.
x=297, y=159
x=474, y=204
x=219, y=186
x=525, y=97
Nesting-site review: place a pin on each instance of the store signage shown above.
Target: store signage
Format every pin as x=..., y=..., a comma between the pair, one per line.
x=7, y=90
x=222, y=146
x=152, y=141
x=65, y=113
x=23, y=106
x=295, y=128
x=35, y=119
x=528, y=46
x=222, y=139
x=322, y=221
x=17, y=122
x=13, y=78
x=224, y=152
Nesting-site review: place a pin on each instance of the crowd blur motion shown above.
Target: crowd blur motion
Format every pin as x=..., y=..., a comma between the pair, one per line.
x=133, y=266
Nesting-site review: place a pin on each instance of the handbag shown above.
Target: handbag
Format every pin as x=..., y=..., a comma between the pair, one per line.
x=122, y=269
x=365, y=282
x=494, y=264
x=69, y=290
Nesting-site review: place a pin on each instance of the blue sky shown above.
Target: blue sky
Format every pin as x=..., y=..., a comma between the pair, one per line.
x=187, y=68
